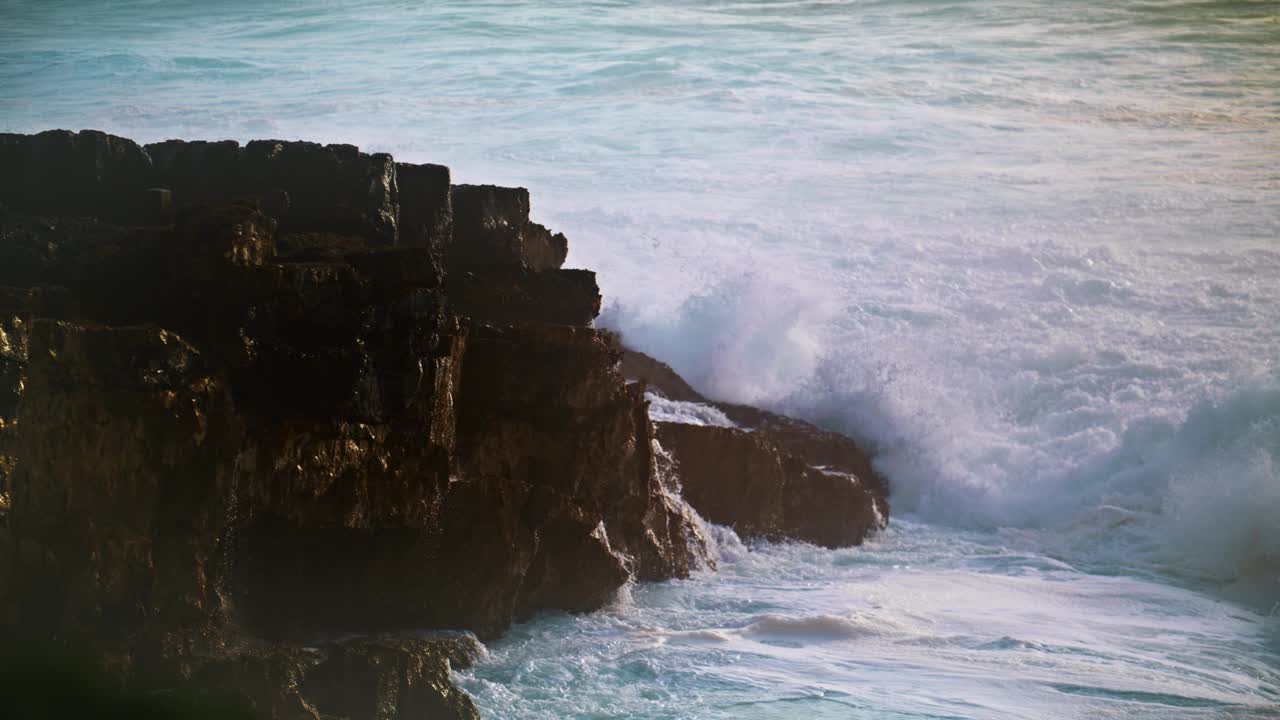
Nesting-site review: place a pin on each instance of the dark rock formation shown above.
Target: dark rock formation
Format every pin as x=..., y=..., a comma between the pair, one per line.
x=506, y=294
x=254, y=399
x=492, y=227
x=359, y=679
x=426, y=206
x=333, y=188
x=658, y=377
x=269, y=412
x=572, y=425
x=72, y=174
x=390, y=679
x=746, y=481
x=306, y=186
x=773, y=476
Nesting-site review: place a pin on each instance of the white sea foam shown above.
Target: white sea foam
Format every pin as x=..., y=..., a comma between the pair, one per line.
x=813, y=628
x=662, y=409
x=1015, y=435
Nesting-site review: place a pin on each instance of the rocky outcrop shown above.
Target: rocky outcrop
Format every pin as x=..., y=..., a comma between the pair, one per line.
x=771, y=476
x=74, y=174
x=358, y=679
x=659, y=377
x=492, y=227
x=258, y=399
x=305, y=186
x=426, y=206
x=270, y=412
x=745, y=480
x=508, y=294
x=570, y=447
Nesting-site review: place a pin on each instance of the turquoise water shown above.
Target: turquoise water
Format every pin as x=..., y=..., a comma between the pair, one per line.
x=923, y=624
x=1026, y=249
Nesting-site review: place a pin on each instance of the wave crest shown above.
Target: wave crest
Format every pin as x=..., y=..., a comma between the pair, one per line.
x=1085, y=448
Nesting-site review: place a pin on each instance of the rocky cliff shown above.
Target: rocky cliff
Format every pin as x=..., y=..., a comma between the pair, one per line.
x=269, y=412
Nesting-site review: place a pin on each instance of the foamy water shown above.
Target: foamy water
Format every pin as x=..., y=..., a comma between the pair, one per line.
x=922, y=624
x=662, y=409
x=1027, y=250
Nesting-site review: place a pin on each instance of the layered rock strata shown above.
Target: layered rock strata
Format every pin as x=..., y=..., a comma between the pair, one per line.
x=256, y=399
x=269, y=413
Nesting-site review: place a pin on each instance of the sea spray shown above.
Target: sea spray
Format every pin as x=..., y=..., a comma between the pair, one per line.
x=1041, y=449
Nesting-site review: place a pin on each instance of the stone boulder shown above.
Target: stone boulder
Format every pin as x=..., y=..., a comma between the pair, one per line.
x=746, y=481
x=771, y=476
x=818, y=446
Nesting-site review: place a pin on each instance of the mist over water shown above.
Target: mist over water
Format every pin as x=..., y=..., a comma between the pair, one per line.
x=1027, y=250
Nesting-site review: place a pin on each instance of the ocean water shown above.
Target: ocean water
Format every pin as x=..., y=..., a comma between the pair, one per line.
x=1027, y=250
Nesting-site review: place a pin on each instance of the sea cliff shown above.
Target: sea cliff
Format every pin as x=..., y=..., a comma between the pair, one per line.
x=299, y=425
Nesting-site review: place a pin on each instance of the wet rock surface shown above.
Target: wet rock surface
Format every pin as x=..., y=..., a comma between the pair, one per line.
x=269, y=412
x=771, y=477
x=747, y=481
